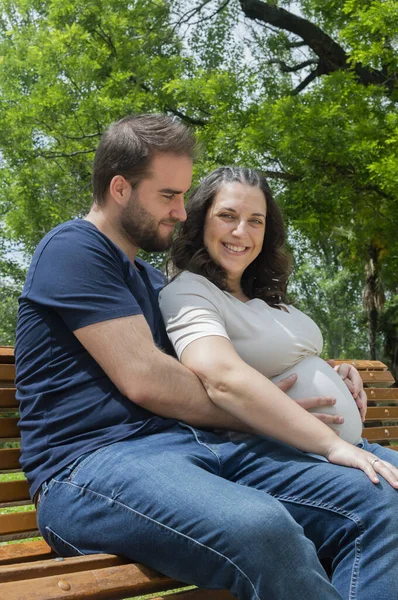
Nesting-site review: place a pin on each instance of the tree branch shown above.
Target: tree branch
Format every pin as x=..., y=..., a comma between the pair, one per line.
x=306, y=82
x=332, y=57
x=80, y=137
x=174, y=111
x=190, y=13
x=63, y=154
x=296, y=44
x=293, y=69
x=281, y=175
x=216, y=12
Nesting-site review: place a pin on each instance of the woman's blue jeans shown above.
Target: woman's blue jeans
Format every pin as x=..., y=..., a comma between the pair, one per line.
x=230, y=511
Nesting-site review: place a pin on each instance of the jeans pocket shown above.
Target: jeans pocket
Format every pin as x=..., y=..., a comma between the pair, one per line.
x=82, y=461
x=59, y=545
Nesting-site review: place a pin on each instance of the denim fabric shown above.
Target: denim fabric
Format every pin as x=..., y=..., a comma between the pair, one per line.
x=216, y=510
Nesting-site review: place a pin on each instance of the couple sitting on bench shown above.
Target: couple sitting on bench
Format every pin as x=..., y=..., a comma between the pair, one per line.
x=202, y=468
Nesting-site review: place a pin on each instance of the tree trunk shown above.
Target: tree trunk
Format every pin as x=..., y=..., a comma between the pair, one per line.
x=373, y=296
x=373, y=320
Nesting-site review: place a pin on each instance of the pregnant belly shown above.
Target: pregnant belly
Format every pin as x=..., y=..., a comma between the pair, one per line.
x=317, y=378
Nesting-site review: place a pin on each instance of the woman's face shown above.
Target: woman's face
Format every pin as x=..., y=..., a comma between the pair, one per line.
x=235, y=227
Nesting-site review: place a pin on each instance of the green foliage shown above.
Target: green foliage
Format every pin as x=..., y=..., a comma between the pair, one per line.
x=371, y=32
x=330, y=147
x=12, y=276
x=329, y=292
x=72, y=68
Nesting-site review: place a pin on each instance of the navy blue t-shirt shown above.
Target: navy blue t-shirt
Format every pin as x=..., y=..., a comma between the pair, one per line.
x=68, y=405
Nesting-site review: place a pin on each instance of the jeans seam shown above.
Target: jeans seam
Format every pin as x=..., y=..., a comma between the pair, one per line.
x=208, y=548
x=193, y=430
x=54, y=533
x=358, y=522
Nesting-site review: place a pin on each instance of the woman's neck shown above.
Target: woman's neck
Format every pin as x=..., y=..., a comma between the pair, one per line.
x=235, y=288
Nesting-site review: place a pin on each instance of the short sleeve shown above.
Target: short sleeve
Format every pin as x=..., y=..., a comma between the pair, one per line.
x=80, y=274
x=191, y=310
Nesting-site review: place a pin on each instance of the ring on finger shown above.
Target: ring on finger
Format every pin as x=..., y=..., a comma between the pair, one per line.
x=375, y=460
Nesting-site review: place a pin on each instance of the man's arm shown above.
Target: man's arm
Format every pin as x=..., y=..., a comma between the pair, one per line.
x=125, y=350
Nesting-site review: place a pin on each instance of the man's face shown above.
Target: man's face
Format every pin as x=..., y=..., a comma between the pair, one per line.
x=157, y=203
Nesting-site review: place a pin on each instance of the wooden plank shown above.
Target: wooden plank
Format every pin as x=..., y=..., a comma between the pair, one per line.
x=7, y=372
x=381, y=433
x=24, y=552
x=9, y=459
x=7, y=354
x=375, y=365
x=9, y=428
x=110, y=583
x=382, y=413
x=7, y=398
x=382, y=394
x=198, y=594
x=14, y=491
x=19, y=522
x=46, y=568
x=377, y=377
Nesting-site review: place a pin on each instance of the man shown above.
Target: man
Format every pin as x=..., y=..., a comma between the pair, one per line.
x=111, y=425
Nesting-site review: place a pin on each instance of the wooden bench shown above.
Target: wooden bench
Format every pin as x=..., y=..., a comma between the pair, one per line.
x=31, y=571
x=381, y=423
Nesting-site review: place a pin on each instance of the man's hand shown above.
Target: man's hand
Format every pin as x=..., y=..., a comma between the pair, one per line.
x=353, y=381
x=314, y=402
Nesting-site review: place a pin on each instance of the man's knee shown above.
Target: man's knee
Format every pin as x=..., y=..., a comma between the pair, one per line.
x=269, y=527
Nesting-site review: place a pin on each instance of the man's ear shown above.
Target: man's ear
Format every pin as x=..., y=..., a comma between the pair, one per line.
x=120, y=190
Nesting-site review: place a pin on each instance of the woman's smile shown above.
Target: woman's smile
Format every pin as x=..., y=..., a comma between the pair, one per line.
x=235, y=249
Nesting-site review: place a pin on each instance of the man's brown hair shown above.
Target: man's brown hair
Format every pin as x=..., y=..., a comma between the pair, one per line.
x=128, y=146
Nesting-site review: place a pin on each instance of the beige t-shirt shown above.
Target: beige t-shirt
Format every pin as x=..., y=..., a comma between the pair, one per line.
x=274, y=342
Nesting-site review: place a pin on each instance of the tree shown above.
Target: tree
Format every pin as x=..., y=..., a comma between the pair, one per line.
x=306, y=91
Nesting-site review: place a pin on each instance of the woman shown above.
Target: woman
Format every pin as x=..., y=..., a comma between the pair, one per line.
x=225, y=315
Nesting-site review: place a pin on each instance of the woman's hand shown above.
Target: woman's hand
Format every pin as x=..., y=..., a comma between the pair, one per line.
x=313, y=402
x=347, y=455
x=354, y=382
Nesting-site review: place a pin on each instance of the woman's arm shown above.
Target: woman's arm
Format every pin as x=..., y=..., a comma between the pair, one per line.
x=250, y=397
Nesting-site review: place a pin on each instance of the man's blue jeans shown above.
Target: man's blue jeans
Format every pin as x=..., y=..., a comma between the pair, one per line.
x=234, y=511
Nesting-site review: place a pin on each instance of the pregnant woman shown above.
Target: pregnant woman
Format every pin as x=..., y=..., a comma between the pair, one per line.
x=226, y=316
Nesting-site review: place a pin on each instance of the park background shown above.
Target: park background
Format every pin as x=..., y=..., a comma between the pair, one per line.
x=307, y=91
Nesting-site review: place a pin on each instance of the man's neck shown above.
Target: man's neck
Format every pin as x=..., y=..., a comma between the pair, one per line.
x=104, y=223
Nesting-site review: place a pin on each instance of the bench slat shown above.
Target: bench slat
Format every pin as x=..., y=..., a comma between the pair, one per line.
x=382, y=413
x=9, y=459
x=14, y=491
x=30, y=570
x=385, y=394
x=375, y=365
x=380, y=377
x=7, y=372
x=9, y=428
x=7, y=398
x=381, y=433
x=199, y=594
x=7, y=354
x=18, y=522
x=24, y=552
x=109, y=583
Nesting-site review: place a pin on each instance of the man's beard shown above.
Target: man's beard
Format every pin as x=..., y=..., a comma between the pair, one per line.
x=141, y=229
